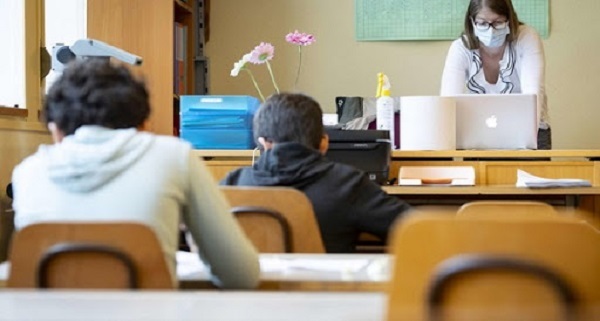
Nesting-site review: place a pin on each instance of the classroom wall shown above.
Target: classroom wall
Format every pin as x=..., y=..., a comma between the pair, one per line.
x=337, y=65
x=16, y=144
x=65, y=23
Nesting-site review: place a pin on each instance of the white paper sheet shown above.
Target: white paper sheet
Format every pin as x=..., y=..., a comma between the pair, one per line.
x=314, y=267
x=525, y=179
x=318, y=265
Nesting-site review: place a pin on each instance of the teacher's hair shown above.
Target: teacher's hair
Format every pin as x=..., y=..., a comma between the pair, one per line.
x=500, y=7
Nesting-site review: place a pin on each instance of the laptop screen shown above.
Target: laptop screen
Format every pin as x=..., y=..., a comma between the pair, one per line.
x=496, y=121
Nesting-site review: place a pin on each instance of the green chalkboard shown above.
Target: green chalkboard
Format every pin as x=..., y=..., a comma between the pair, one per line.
x=378, y=20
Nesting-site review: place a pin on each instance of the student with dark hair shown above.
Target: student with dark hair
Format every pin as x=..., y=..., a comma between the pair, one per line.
x=103, y=168
x=498, y=54
x=290, y=129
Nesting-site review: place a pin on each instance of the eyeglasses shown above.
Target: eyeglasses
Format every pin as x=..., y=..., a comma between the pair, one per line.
x=484, y=25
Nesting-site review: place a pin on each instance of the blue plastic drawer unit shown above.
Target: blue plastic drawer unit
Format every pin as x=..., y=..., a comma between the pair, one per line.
x=218, y=122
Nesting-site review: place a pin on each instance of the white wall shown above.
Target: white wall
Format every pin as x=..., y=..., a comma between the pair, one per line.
x=12, y=77
x=65, y=23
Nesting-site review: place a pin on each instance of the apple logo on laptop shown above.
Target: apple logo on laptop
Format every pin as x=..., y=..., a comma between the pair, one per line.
x=491, y=122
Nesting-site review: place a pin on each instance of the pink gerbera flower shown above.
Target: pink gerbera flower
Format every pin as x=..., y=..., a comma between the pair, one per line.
x=300, y=38
x=262, y=53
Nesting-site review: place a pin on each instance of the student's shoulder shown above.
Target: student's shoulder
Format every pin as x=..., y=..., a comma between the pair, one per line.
x=170, y=145
x=33, y=164
x=170, y=141
x=346, y=173
x=36, y=159
x=343, y=168
x=168, y=150
x=234, y=177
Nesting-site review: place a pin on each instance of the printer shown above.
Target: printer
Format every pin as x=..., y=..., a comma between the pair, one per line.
x=367, y=150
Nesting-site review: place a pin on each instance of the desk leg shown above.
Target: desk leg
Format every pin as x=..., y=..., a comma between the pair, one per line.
x=572, y=201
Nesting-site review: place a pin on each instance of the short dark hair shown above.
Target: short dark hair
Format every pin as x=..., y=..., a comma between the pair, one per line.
x=96, y=92
x=288, y=117
x=500, y=7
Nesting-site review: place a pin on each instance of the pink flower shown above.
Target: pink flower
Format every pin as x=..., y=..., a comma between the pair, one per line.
x=262, y=53
x=265, y=52
x=301, y=39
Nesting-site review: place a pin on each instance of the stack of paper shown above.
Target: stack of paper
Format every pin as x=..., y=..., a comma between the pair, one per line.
x=525, y=179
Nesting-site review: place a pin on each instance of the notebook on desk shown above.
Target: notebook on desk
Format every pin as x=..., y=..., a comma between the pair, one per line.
x=496, y=121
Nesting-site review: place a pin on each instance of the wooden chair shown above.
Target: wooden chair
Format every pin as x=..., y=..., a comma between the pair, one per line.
x=507, y=209
x=452, y=272
x=88, y=255
x=275, y=216
x=567, y=248
x=268, y=229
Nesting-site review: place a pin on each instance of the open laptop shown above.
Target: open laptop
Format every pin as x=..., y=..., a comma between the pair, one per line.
x=496, y=121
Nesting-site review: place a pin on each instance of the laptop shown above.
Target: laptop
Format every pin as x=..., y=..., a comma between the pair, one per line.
x=496, y=121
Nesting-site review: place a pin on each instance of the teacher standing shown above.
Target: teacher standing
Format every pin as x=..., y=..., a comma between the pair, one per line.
x=498, y=54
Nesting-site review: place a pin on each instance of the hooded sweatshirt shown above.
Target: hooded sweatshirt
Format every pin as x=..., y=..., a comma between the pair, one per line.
x=345, y=201
x=101, y=174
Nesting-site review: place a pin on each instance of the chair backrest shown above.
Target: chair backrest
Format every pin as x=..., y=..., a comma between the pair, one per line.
x=453, y=271
x=292, y=204
x=88, y=255
x=569, y=248
x=268, y=229
x=507, y=209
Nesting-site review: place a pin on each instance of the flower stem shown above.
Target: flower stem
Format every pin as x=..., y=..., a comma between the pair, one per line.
x=272, y=76
x=299, y=66
x=255, y=84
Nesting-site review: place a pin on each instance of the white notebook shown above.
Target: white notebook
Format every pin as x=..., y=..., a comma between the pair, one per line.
x=496, y=121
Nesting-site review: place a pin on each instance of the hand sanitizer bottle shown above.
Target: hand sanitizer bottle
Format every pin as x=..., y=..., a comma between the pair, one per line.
x=385, y=107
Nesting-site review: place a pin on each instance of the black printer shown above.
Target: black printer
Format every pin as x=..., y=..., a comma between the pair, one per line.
x=367, y=150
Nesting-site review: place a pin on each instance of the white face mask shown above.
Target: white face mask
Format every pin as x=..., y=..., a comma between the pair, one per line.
x=492, y=37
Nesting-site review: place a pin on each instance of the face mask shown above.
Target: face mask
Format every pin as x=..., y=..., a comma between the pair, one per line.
x=492, y=37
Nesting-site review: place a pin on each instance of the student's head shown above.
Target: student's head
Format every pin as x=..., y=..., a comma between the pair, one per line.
x=95, y=92
x=492, y=13
x=290, y=117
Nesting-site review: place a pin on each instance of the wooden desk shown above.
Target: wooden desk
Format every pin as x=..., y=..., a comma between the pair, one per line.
x=301, y=272
x=570, y=196
x=221, y=162
x=499, y=167
x=192, y=306
x=492, y=167
x=188, y=306
x=488, y=190
x=292, y=272
x=496, y=174
x=521, y=153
